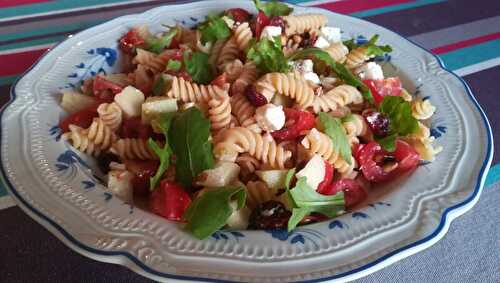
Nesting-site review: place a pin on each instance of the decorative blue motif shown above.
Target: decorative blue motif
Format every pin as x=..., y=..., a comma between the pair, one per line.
x=299, y=235
x=227, y=235
x=359, y=215
x=379, y=203
x=88, y=184
x=337, y=224
x=55, y=132
x=360, y=39
x=100, y=59
x=189, y=22
x=67, y=163
x=107, y=196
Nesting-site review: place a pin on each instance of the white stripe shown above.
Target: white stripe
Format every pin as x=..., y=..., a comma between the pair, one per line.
x=82, y=9
x=6, y=202
x=478, y=67
x=28, y=48
x=317, y=2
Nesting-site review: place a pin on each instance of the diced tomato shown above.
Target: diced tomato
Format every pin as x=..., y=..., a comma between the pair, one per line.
x=133, y=128
x=169, y=200
x=260, y=23
x=386, y=87
x=142, y=170
x=299, y=122
x=131, y=40
x=220, y=81
x=82, y=118
x=328, y=178
x=239, y=14
x=354, y=193
x=372, y=157
x=105, y=90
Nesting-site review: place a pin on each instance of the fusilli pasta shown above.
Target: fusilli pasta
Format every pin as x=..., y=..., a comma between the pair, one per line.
x=228, y=53
x=337, y=97
x=258, y=192
x=110, y=114
x=292, y=85
x=422, y=109
x=247, y=76
x=244, y=111
x=191, y=92
x=133, y=149
x=357, y=57
x=243, y=35
x=338, y=51
x=302, y=23
x=78, y=137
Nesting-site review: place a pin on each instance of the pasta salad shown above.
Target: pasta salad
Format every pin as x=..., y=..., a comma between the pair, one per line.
x=265, y=121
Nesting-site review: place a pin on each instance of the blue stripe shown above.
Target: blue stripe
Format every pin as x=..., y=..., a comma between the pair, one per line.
x=393, y=8
x=471, y=55
x=493, y=175
x=3, y=192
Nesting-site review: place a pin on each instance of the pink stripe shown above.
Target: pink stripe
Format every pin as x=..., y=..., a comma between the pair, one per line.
x=466, y=43
x=17, y=63
x=12, y=3
x=351, y=6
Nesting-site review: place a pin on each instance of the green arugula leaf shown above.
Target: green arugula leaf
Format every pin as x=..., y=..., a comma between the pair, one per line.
x=350, y=44
x=308, y=200
x=334, y=129
x=188, y=138
x=198, y=67
x=398, y=110
x=273, y=8
x=347, y=118
x=373, y=49
x=268, y=56
x=213, y=28
x=156, y=45
x=161, y=84
x=388, y=143
x=342, y=72
x=210, y=211
x=174, y=65
x=163, y=122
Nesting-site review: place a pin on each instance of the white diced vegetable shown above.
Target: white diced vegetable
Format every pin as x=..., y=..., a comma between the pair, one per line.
x=130, y=101
x=223, y=174
x=156, y=105
x=73, y=101
x=314, y=171
x=274, y=179
x=120, y=184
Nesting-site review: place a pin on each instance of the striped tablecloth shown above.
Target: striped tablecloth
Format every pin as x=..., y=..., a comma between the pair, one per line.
x=464, y=33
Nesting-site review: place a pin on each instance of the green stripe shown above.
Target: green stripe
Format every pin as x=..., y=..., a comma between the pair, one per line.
x=7, y=80
x=493, y=175
x=48, y=30
x=52, y=6
x=471, y=55
x=399, y=7
x=3, y=191
x=42, y=41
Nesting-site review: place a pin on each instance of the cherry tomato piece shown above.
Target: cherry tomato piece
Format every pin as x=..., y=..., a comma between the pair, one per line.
x=386, y=87
x=260, y=23
x=133, y=128
x=328, y=178
x=105, y=90
x=239, y=14
x=131, y=40
x=220, y=81
x=169, y=200
x=142, y=170
x=298, y=121
x=82, y=118
x=354, y=193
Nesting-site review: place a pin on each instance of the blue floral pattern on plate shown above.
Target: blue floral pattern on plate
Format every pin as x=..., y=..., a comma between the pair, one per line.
x=99, y=59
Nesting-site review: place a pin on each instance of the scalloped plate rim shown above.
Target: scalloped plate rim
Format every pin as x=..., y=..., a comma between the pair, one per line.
x=448, y=215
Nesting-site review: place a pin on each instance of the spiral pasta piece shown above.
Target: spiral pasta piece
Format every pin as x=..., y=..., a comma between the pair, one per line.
x=101, y=134
x=422, y=109
x=244, y=111
x=247, y=76
x=258, y=192
x=357, y=57
x=243, y=35
x=355, y=127
x=292, y=85
x=240, y=140
x=316, y=142
x=302, y=23
x=215, y=52
x=78, y=137
x=335, y=98
x=228, y=53
x=247, y=163
x=422, y=142
x=133, y=149
x=219, y=112
x=233, y=70
x=338, y=51
x=156, y=63
x=111, y=115
x=143, y=78
x=192, y=92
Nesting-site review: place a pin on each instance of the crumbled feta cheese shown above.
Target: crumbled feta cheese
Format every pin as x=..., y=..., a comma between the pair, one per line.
x=331, y=34
x=120, y=184
x=312, y=76
x=314, y=171
x=270, y=32
x=302, y=66
x=370, y=71
x=130, y=101
x=229, y=21
x=270, y=117
x=321, y=42
x=157, y=105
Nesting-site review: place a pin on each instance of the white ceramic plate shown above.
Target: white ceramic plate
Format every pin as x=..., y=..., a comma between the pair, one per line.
x=55, y=185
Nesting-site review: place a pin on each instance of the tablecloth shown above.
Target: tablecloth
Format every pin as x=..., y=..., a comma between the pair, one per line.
x=464, y=33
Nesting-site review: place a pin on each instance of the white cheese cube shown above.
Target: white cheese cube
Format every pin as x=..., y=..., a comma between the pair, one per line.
x=223, y=174
x=229, y=21
x=370, y=71
x=239, y=218
x=332, y=34
x=312, y=76
x=270, y=117
x=270, y=32
x=321, y=42
x=120, y=184
x=130, y=101
x=314, y=171
x=156, y=105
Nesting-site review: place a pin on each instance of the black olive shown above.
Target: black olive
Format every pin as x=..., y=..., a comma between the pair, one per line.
x=269, y=215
